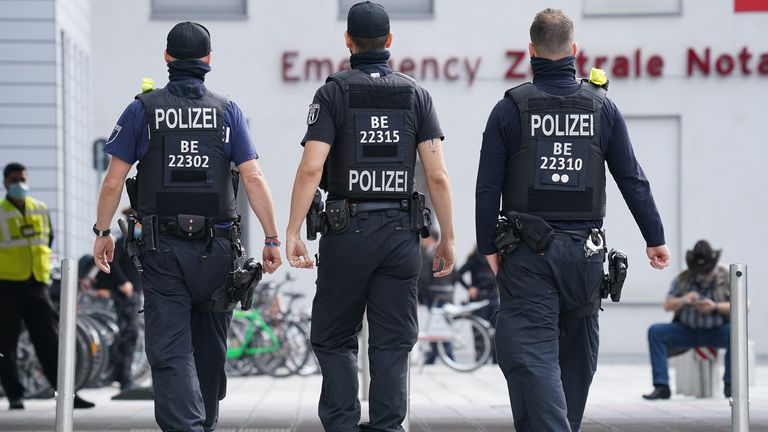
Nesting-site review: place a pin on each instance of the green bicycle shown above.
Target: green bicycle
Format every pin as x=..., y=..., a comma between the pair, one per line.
x=269, y=343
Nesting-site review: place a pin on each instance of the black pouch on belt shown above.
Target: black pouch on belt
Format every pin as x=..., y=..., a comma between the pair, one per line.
x=191, y=226
x=337, y=212
x=534, y=230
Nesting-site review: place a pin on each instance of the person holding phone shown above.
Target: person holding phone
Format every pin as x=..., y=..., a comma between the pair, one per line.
x=700, y=297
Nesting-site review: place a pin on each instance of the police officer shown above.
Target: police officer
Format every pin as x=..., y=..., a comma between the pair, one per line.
x=185, y=138
x=544, y=152
x=26, y=236
x=365, y=126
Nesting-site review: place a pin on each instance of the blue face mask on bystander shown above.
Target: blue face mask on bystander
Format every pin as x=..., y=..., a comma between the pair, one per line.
x=18, y=191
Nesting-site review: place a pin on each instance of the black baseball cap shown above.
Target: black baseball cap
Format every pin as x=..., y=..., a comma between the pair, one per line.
x=368, y=20
x=188, y=40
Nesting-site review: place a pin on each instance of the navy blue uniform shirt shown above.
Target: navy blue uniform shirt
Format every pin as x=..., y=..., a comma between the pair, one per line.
x=129, y=141
x=331, y=102
x=502, y=138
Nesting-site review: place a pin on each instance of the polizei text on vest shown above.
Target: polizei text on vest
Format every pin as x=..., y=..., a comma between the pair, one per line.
x=186, y=118
x=562, y=125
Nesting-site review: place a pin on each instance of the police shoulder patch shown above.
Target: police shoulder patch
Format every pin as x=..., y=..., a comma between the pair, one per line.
x=115, y=133
x=314, y=112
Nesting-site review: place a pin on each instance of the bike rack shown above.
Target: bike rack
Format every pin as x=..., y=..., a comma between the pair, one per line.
x=65, y=383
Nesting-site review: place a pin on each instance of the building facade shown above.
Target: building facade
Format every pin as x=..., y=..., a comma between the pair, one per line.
x=689, y=77
x=45, y=110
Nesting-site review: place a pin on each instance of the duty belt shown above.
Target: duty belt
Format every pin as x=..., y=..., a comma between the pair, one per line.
x=361, y=207
x=173, y=228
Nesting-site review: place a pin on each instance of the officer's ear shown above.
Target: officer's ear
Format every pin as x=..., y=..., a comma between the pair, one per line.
x=389, y=41
x=167, y=57
x=348, y=41
x=207, y=59
x=574, y=48
x=531, y=49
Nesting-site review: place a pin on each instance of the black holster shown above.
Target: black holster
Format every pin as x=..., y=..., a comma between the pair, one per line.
x=240, y=285
x=132, y=189
x=613, y=281
x=316, y=221
x=131, y=244
x=245, y=278
x=507, y=237
x=421, y=216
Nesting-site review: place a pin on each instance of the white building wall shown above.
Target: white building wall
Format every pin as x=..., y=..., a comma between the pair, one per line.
x=78, y=181
x=28, y=97
x=697, y=136
x=45, y=110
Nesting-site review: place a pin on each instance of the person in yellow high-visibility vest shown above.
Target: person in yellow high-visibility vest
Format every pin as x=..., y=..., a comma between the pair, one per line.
x=25, y=268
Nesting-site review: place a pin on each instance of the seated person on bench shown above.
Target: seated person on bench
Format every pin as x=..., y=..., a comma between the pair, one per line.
x=700, y=298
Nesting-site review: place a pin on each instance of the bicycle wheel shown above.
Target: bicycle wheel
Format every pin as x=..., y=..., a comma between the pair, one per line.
x=236, y=336
x=140, y=369
x=106, y=325
x=470, y=345
x=31, y=374
x=291, y=355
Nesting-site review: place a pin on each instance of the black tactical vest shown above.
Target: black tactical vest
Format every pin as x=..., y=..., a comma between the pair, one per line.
x=185, y=170
x=559, y=171
x=374, y=154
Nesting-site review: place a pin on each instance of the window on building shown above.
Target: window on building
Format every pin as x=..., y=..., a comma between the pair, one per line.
x=632, y=7
x=199, y=9
x=397, y=9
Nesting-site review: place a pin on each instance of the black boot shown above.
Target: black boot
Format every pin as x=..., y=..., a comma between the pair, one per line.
x=82, y=403
x=659, y=392
x=16, y=404
x=727, y=390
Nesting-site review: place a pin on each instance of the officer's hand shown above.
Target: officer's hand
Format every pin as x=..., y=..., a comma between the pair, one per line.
x=270, y=258
x=127, y=289
x=493, y=261
x=103, y=252
x=444, y=252
x=659, y=256
x=297, y=254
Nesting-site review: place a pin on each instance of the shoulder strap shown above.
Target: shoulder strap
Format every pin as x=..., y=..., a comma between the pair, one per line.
x=340, y=77
x=148, y=96
x=407, y=77
x=219, y=97
x=596, y=91
x=522, y=92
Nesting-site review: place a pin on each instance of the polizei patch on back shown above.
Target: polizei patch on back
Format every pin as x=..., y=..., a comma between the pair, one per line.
x=314, y=112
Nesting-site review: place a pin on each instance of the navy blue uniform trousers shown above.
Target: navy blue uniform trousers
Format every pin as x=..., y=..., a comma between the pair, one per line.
x=375, y=264
x=186, y=347
x=548, y=364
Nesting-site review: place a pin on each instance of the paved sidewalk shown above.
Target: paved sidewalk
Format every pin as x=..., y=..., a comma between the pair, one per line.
x=442, y=401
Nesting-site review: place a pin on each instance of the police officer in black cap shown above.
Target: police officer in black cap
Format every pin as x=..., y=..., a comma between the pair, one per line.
x=365, y=126
x=544, y=153
x=185, y=138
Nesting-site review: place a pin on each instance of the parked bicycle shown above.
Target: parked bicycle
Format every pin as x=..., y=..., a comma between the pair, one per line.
x=268, y=339
x=463, y=340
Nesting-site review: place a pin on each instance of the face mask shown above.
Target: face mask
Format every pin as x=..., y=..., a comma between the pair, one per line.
x=18, y=191
x=137, y=232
